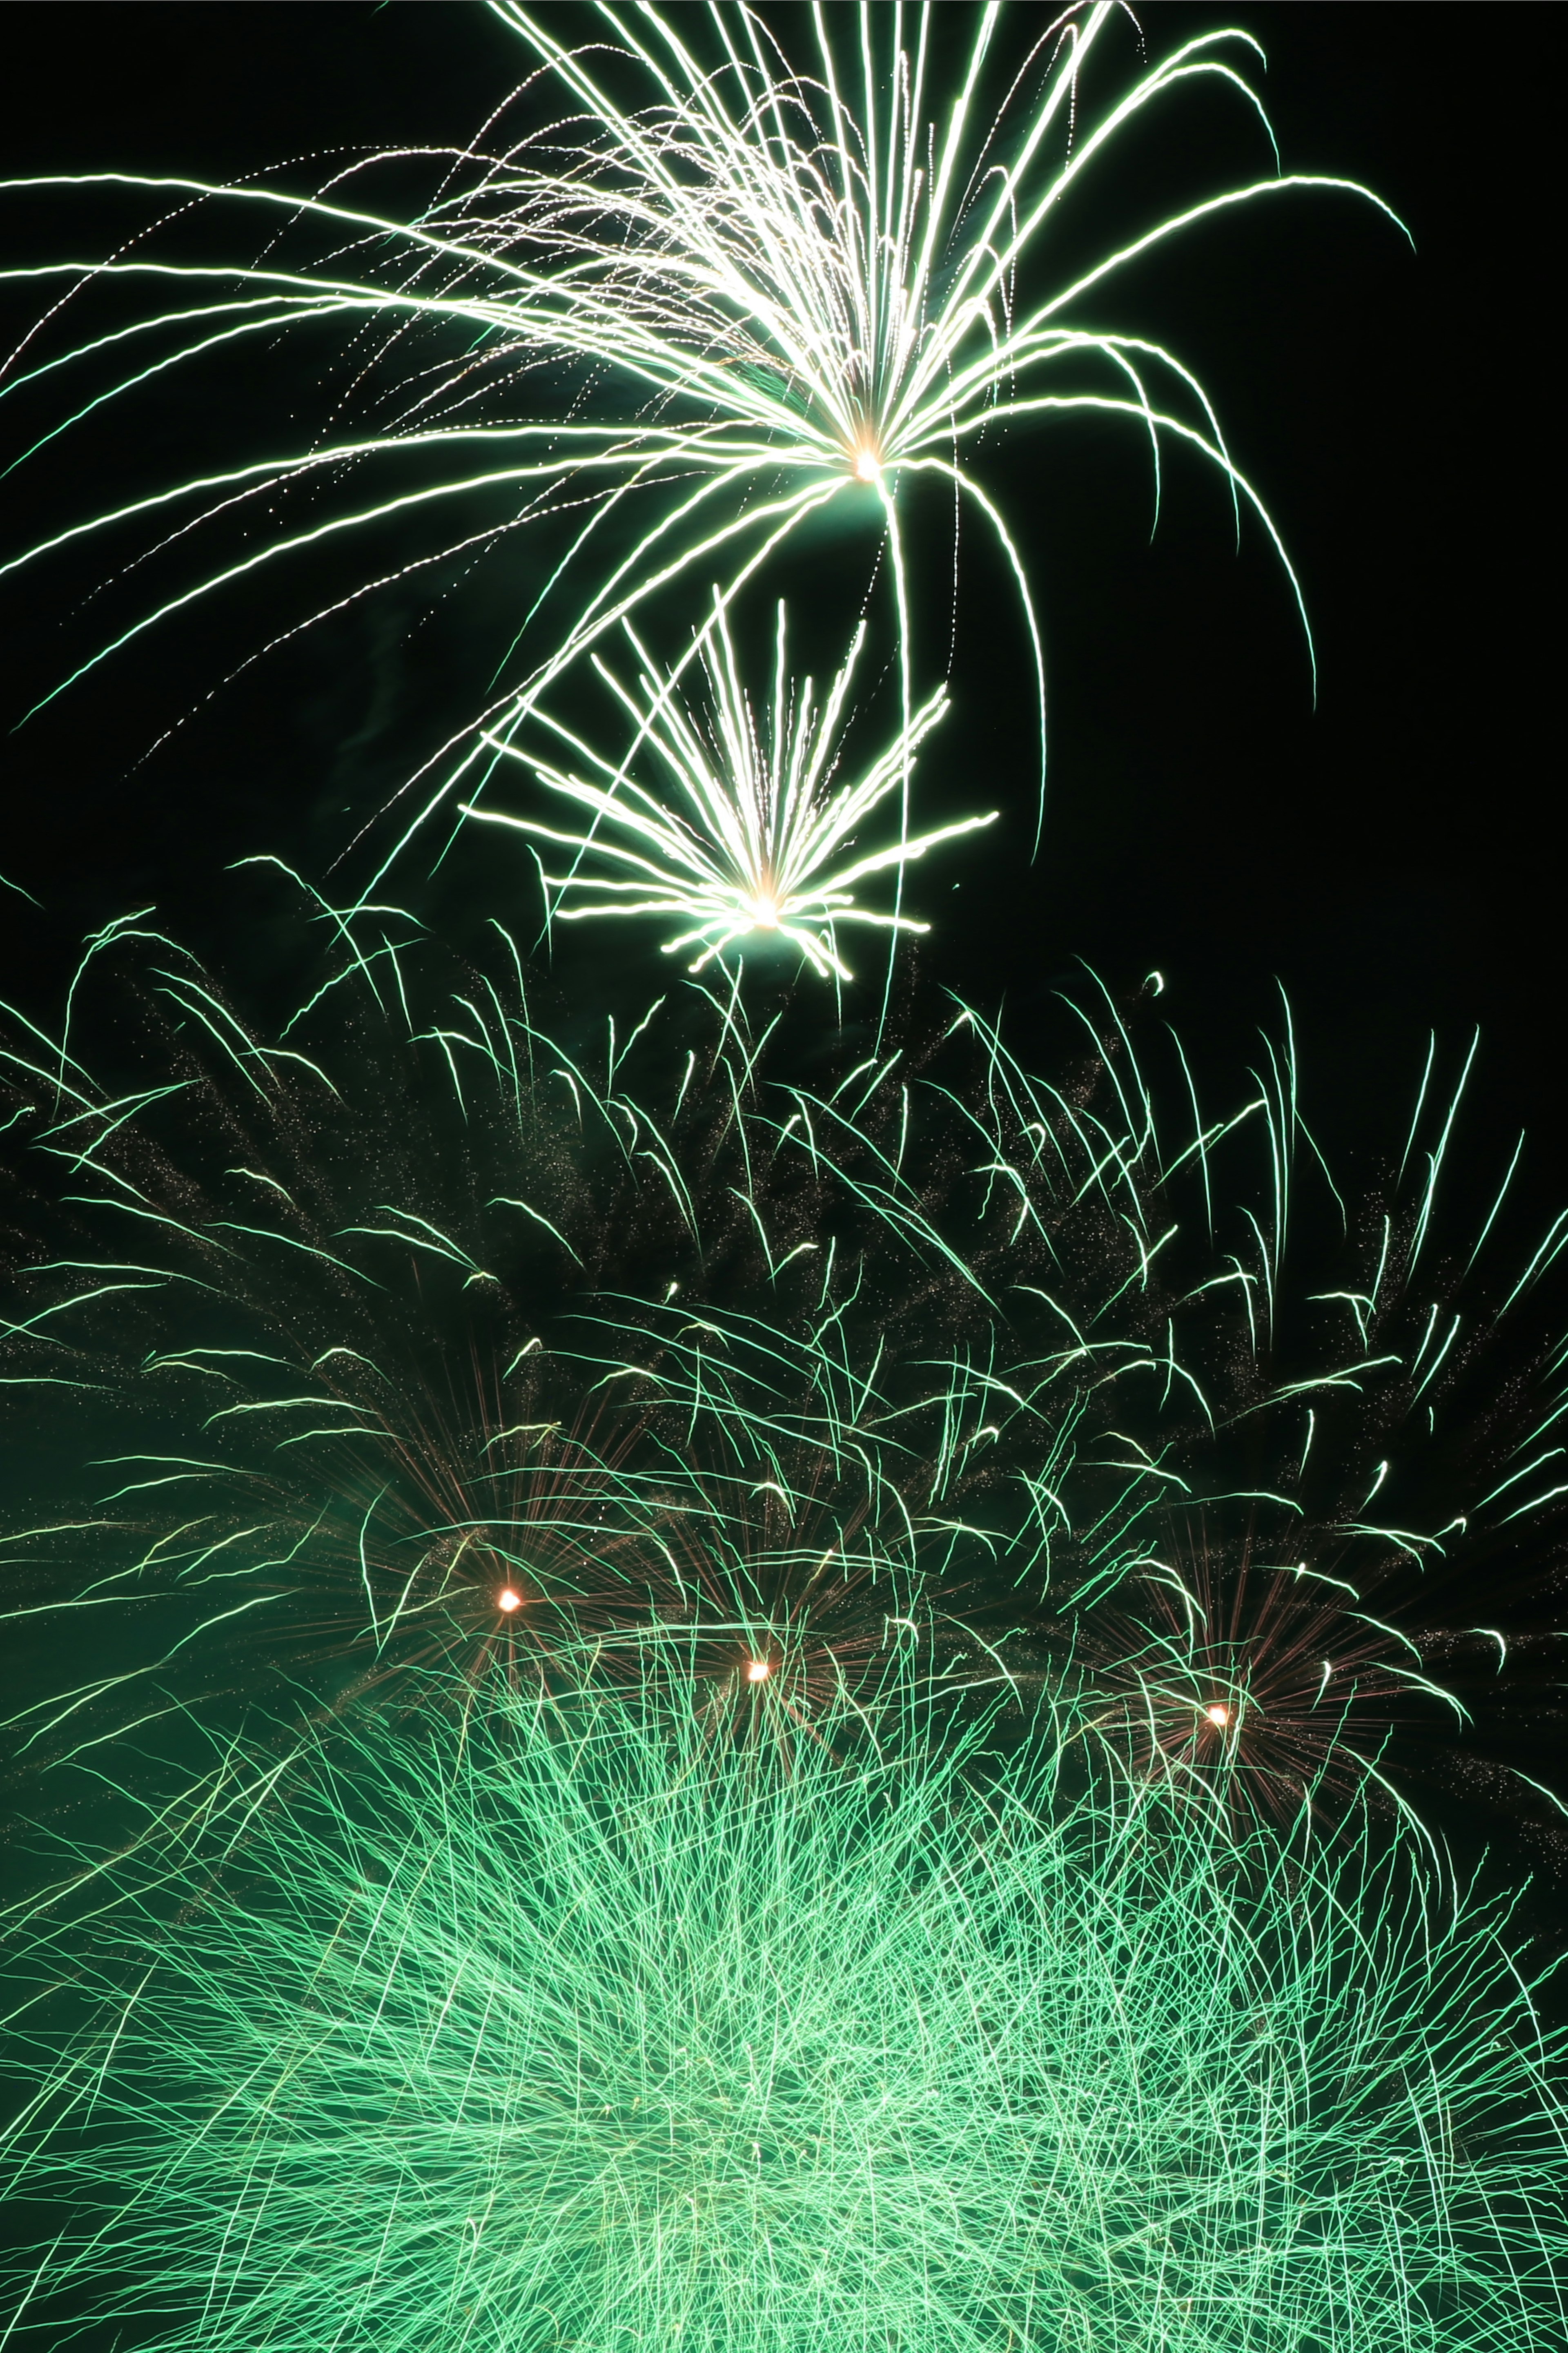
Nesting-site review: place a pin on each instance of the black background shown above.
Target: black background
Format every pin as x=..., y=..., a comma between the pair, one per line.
x=1390, y=856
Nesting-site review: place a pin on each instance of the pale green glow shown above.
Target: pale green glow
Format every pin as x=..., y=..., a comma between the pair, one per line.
x=568, y=2023
x=758, y=816
x=791, y=287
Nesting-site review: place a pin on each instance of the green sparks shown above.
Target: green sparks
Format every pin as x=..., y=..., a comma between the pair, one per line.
x=571, y=2024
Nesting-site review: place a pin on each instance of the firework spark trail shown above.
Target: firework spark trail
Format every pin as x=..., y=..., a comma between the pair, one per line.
x=1058, y=1362
x=746, y=846
x=814, y=290
x=572, y=2026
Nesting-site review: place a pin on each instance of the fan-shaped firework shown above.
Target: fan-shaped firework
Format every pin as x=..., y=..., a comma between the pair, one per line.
x=385, y=1381
x=1367, y=1459
x=773, y=287
x=571, y=2028
x=408, y=1364
x=758, y=821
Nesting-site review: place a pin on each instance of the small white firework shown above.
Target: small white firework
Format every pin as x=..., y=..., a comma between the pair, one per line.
x=746, y=823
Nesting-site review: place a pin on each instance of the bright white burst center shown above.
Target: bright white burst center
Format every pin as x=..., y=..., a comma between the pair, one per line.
x=1218, y=1716
x=757, y=1670
x=507, y=1600
x=867, y=465
x=765, y=912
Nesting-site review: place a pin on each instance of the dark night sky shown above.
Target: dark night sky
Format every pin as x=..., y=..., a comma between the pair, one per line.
x=1388, y=855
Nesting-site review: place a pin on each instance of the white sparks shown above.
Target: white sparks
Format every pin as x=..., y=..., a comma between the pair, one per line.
x=742, y=825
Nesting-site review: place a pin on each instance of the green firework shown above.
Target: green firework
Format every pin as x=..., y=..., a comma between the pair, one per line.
x=372, y=1325
x=412, y=1330
x=575, y=2026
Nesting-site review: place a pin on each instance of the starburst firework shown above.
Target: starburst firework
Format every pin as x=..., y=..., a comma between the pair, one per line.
x=749, y=846
x=572, y=2027
x=774, y=288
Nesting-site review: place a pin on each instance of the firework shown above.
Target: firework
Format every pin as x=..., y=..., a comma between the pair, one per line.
x=331, y=1418
x=569, y=2027
x=376, y=1388
x=747, y=290
x=426, y=1354
x=749, y=848
x=1362, y=1457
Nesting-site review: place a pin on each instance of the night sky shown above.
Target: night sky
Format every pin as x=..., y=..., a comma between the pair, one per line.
x=1388, y=856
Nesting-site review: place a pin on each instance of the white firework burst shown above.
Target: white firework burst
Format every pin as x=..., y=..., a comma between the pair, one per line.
x=747, y=825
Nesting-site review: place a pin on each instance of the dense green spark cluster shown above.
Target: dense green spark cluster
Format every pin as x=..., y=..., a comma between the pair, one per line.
x=573, y=2025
